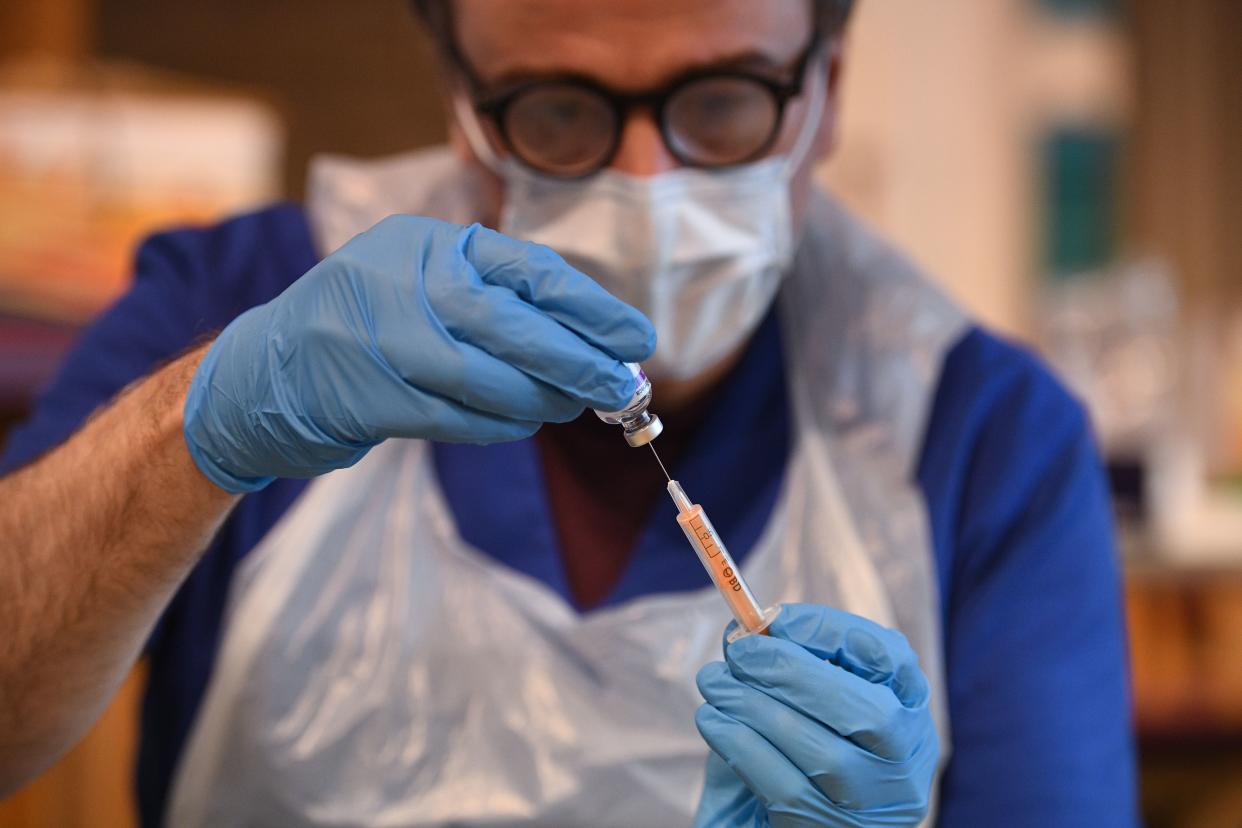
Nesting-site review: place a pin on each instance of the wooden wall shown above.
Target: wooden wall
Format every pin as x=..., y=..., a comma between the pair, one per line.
x=57, y=27
x=92, y=786
x=1186, y=169
x=350, y=76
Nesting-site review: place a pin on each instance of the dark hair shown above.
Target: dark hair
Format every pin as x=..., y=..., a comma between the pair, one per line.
x=831, y=17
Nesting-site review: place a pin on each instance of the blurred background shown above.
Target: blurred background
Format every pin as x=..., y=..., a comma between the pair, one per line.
x=1070, y=170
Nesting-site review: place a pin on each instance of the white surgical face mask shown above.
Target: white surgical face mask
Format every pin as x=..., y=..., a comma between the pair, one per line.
x=700, y=252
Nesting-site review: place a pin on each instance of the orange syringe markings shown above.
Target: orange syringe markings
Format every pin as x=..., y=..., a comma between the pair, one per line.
x=719, y=564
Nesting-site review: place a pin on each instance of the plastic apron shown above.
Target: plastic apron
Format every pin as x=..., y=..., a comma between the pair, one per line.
x=377, y=670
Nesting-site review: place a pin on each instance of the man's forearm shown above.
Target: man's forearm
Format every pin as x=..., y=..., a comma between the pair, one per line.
x=95, y=537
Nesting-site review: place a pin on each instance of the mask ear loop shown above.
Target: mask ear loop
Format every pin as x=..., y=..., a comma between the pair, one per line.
x=810, y=124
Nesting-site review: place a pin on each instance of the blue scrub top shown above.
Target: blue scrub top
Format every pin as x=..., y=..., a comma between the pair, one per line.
x=1031, y=613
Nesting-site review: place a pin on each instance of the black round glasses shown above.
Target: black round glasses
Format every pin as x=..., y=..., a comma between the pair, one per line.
x=571, y=127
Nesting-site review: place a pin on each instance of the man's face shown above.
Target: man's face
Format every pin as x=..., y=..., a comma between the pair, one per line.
x=640, y=46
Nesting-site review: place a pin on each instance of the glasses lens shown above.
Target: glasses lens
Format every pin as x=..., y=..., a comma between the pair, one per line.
x=716, y=121
x=560, y=128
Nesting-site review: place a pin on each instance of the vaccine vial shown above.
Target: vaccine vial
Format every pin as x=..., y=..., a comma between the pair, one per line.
x=640, y=426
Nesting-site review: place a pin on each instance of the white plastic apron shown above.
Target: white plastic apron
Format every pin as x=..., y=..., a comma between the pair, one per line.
x=377, y=670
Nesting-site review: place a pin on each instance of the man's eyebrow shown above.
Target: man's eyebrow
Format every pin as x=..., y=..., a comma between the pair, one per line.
x=749, y=61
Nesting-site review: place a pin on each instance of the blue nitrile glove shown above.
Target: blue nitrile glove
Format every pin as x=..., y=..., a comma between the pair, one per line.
x=415, y=328
x=824, y=722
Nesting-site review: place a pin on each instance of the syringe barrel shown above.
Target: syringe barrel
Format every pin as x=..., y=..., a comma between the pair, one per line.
x=724, y=572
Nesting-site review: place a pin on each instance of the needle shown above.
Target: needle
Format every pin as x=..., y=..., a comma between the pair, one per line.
x=661, y=462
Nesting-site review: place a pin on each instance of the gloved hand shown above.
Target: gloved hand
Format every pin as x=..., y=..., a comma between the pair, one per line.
x=415, y=328
x=824, y=722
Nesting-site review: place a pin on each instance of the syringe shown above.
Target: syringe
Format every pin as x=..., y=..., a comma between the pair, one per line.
x=720, y=566
x=641, y=427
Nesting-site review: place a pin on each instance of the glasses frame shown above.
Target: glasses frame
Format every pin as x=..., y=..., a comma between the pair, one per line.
x=494, y=107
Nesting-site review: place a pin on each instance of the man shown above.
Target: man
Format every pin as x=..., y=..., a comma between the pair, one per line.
x=474, y=625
